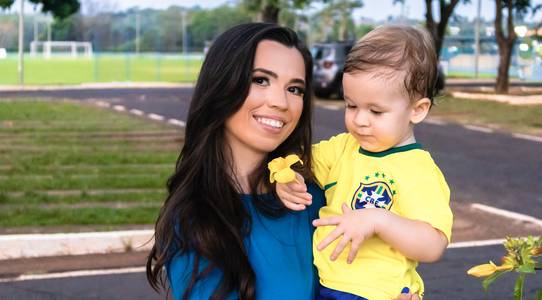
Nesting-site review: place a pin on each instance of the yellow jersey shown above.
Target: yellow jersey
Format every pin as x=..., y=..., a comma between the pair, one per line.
x=404, y=180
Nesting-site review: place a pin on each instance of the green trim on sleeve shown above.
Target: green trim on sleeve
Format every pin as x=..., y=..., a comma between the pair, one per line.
x=391, y=150
x=329, y=185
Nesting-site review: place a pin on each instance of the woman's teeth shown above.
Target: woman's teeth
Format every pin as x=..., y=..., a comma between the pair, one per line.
x=271, y=122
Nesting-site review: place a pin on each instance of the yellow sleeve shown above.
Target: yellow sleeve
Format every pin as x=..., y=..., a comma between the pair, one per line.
x=324, y=156
x=427, y=199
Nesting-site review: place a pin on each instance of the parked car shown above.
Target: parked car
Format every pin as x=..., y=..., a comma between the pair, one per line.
x=329, y=59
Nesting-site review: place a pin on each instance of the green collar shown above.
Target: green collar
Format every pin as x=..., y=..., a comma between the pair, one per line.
x=391, y=150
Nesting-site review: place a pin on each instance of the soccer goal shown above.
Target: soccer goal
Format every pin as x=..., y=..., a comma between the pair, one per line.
x=61, y=48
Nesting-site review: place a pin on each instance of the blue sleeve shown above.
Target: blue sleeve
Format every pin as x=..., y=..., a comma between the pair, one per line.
x=318, y=200
x=179, y=272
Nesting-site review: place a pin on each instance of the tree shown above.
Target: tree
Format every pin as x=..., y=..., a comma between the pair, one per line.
x=438, y=29
x=269, y=9
x=506, y=42
x=341, y=11
x=59, y=9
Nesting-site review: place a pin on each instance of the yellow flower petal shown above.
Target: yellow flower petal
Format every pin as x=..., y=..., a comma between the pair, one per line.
x=482, y=270
x=276, y=164
x=285, y=176
x=292, y=159
x=487, y=269
x=280, y=168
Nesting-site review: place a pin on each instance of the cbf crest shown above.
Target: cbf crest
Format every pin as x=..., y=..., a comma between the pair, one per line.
x=374, y=191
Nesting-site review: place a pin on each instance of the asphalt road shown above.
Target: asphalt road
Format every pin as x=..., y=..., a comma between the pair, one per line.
x=445, y=280
x=490, y=168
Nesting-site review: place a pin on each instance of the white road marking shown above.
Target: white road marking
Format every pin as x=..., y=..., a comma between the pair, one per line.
x=481, y=243
x=478, y=128
x=330, y=106
x=507, y=213
x=156, y=117
x=119, y=108
x=103, y=104
x=137, y=112
x=528, y=137
x=177, y=122
x=434, y=121
x=82, y=273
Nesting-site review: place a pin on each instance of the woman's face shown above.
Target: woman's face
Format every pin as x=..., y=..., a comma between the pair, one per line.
x=274, y=104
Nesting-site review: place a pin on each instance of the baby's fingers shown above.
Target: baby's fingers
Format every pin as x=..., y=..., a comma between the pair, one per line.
x=354, y=247
x=340, y=248
x=329, y=239
x=327, y=221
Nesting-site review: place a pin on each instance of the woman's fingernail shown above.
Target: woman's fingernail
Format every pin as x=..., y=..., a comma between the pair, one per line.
x=405, y=290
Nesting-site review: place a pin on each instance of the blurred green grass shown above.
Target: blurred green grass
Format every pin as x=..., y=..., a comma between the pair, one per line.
x=110, y=168
x=102, y=68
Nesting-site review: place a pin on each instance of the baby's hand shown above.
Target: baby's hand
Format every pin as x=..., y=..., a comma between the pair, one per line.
x=354, y=226
x=294, y=194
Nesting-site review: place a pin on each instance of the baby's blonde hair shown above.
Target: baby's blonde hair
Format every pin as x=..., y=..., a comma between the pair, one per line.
x=404, y=52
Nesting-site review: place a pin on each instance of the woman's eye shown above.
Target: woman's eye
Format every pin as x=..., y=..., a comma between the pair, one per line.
x=296, y=90
x=260, y=80
x=350, y=106
x=376, y=112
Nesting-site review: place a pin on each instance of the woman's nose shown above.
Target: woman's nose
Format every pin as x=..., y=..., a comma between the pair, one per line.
x=278, y=98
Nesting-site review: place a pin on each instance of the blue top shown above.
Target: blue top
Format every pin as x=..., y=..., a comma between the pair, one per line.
x=279, y=250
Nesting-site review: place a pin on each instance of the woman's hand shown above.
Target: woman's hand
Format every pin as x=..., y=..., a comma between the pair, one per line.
x=294, y=194
x=355, y=226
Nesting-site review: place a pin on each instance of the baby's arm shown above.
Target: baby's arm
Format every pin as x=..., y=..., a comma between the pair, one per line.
x=294, y=194
x=416, y=240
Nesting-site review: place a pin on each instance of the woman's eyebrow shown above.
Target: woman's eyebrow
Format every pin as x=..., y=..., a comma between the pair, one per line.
x=268, y=72
x=274, y=75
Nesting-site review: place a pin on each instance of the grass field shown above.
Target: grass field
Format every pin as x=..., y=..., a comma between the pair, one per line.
x=102, y=68
x=64, y=163
x=506, y=117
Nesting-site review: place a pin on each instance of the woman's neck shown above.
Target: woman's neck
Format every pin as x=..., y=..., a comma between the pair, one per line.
x=245, y=163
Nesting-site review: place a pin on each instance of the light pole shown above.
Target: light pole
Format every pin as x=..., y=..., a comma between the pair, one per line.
x=185, y=38
x=20, y=66
x=138, y=26
x=477, y=40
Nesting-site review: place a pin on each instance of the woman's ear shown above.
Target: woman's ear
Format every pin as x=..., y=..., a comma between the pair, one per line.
x=420, y=109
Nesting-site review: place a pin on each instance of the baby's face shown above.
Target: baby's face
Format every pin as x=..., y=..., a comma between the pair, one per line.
x=377, y=114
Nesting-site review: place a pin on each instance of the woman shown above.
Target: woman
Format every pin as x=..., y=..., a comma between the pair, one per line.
x=222, y=233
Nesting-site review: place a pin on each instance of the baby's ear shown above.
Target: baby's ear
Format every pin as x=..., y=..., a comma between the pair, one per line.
x=420, y=109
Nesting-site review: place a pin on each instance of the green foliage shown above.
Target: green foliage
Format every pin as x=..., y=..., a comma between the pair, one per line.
x=6, y=3
x=59, y=9
x=521, y=257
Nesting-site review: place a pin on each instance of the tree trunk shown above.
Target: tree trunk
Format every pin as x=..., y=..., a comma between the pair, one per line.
x=505, y=56
x=270, y=14
x=506, y=44
x=438, y=30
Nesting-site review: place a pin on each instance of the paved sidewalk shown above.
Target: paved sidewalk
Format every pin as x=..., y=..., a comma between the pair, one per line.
x=14, y=246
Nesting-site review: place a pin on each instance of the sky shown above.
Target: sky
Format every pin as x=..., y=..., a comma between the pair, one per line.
x=375, y=9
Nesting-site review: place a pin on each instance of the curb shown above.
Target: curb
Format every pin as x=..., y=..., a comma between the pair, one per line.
x=513, y=100
x=41, y=245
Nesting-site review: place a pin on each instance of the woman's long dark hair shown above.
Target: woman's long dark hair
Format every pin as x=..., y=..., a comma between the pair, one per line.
x=203, y=212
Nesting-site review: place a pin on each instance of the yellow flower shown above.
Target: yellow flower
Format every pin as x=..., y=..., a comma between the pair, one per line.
x=280, y=169
x=536, y=251
x=487, y=269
